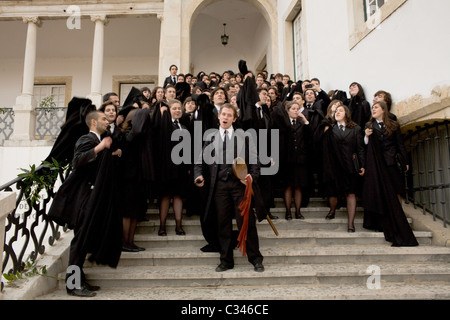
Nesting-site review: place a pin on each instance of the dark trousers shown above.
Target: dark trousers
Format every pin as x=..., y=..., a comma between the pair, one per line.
x=78, y=253
x=228, y=197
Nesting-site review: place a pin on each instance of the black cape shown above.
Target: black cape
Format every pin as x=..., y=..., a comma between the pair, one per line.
x=102, y=233
x=383, y=210
x=73, y=128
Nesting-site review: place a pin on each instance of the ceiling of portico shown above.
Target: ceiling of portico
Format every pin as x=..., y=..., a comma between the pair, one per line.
x=247, y=28
x=124, y=37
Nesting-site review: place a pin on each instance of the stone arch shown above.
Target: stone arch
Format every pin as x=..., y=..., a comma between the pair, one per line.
x=191, y=9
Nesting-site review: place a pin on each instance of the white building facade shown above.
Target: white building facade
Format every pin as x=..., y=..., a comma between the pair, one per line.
x=88, y=48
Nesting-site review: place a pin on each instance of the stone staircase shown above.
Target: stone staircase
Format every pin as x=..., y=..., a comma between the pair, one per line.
x=311, y=259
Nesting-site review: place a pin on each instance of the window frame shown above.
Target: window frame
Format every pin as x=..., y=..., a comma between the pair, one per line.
x=359, y=27
x=56, y=81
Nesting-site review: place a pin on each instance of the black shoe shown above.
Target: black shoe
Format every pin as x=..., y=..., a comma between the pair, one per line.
x=210, y=248
x=221, y=268
x=129, y=249
x=83, y=293
x=90, y=287
x=180, y=232
x=288, y=215
x=331, y=215
x=259, y=267
x=134, y=246
x=351, y=230
x=162, y=232
x=271, y=216
x=299, y=216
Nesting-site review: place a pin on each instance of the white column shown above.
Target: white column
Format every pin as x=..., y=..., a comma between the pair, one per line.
x=170, y=42
x=24, y=113
x=97, y=59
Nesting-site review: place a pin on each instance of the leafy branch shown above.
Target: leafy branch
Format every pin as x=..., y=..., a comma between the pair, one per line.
x=30, y=270
x=35, y=179
x=48, y=104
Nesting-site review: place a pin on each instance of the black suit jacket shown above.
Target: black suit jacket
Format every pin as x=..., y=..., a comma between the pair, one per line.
x=209, y=171
x=168, y=81
x=348, y=143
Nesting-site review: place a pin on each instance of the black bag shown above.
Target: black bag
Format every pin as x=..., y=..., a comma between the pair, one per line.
x=356, y=163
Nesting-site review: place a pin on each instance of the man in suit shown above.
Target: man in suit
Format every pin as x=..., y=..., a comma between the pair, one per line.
x=77, y=189
x=172, y=79
x=226, y=192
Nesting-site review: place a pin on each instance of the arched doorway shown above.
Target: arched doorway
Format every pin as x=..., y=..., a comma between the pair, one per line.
x=251, y=26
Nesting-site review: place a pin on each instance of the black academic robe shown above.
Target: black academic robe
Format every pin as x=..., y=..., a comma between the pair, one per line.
x=73, y=194
x=383, y=210
x=170, y=177
x=87, y=203
x=73, y=128
x=295, y=150
x=134, y=181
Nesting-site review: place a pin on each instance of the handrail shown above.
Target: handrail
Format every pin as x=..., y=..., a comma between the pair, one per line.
x=31, y=224
x=429, y=177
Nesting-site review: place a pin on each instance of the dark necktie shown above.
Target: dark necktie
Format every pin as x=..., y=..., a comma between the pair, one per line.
x=225, y=138
x=176, y=123
x=294, y=122
x=342, y=128
x=259, y=112
x=382, y=126
x=174, y=80
x=309, y=106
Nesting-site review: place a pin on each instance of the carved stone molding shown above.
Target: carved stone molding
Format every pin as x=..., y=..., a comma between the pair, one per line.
x=100, y=17
x=32, y=19
x=418, y=109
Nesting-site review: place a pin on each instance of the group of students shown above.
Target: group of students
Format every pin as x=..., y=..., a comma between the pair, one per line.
x=329, y=146
x=324, y=142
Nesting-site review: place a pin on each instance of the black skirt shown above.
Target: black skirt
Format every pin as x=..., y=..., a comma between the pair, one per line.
x=351, y=184
x=295, y=175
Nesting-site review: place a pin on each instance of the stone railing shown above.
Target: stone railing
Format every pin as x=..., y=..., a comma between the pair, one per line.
x=48, y=123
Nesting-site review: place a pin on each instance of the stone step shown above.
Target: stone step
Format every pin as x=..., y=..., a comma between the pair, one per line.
x=370, y=254
x=286, y=237
x=191, y=225
x=278, y=211
x=311, y=259
x=185, y=296
x=243, y=275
